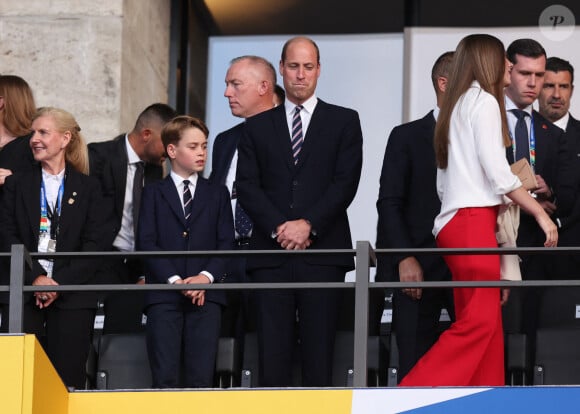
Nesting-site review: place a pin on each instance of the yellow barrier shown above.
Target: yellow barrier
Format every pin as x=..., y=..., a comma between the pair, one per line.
x=30, y=385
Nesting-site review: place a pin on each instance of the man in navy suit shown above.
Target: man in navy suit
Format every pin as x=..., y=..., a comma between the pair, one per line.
x=554, y=105
x=116, y=163
x=250, y=82
x=545, y=147
x=184, y=212
x=298, y=171
x=407, y=205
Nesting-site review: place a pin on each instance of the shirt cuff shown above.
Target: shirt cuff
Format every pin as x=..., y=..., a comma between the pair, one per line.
x=172, y=279
x=208, y=275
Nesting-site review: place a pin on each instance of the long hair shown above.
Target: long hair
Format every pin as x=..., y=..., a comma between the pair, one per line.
x=478, y=57
x=19, y=107
x=76, y=153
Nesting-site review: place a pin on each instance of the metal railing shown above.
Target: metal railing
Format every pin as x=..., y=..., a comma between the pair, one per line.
x=365, y=255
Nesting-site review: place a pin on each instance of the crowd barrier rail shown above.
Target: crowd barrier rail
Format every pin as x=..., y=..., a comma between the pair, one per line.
x=365, y=258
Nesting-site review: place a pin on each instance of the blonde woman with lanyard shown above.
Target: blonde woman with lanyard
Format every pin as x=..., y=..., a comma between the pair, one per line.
x=57, y=207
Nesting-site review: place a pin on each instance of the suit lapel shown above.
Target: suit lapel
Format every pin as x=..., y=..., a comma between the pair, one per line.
x=428, y=123
x=540, y=128
x=171, y=195
x=32, y=201
x=317, y=121
x=119, y=171
x=198, y=196
x=73, y=192
x=283, y=135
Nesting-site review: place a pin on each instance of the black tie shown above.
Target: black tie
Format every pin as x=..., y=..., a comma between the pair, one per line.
x=521, y=135
x=137, y=190
x=187, y=200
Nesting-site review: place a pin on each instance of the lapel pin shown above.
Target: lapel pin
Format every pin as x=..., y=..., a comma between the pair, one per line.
x=74, y=193
x=71, y=201
x=544, y=126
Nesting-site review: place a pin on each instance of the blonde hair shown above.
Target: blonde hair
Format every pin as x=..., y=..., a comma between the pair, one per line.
x=76, y=153
x=19, y=107
x=478, y=57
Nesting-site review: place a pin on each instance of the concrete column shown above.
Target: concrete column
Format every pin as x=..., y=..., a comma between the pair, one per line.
x=104, y=60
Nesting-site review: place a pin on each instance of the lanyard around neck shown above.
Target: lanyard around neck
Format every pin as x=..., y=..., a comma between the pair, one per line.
x=47, y=213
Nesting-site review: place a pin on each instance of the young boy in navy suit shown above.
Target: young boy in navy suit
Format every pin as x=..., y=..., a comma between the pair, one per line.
x=184, y=212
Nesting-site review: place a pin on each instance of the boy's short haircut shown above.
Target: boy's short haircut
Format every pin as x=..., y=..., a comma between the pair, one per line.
x=172, y=131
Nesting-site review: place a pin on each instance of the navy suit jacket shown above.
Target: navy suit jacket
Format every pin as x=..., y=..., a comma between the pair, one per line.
x=162, y=227
x=554, y=164
x=224, y=147
x=108, y=162
x=272, y=189
x=81, y=229
x=570, y=230
x=408, y=202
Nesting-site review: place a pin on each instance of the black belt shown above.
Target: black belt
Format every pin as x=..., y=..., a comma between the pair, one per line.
x=243, y=243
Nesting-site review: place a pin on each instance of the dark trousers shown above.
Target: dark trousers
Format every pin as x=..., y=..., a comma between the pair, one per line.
x=183, y=335
x=416, y=323
x=123, y=310
x=65, y=335
x=317, y=312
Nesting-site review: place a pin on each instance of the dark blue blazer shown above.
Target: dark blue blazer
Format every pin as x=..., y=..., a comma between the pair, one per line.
x=570, y=230
x=408, y=202
x=224, y=147
x=162, y=227
x=272, y=189
x=554, y=164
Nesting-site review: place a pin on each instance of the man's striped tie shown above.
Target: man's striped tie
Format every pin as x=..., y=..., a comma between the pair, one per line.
x=297, y=138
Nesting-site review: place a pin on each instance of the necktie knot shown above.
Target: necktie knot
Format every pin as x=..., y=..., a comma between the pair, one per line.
x=519, y=114
x=297, y=109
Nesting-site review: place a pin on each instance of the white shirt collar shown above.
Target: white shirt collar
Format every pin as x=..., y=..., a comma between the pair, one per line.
x=178, y=180
x=436, y=111
x=509, y=105
x=308, y=105
x=132, y=156
x=562, y=123
x=58, y=177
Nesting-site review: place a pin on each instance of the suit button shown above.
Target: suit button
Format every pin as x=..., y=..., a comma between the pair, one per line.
x=295, y=183
x=184, y=234
x=292, y=205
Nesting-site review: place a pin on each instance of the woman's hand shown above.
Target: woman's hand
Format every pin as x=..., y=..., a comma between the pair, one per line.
x=549, y=228
x=44, y=299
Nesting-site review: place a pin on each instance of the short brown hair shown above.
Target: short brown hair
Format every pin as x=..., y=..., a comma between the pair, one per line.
x=173, y=130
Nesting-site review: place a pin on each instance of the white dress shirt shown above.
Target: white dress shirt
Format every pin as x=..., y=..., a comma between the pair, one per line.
x=125, y=240
x=477, y=173
x=562, y=123
x=305, y=115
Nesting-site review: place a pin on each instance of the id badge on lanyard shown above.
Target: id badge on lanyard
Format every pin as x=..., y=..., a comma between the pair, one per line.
x=48, y=232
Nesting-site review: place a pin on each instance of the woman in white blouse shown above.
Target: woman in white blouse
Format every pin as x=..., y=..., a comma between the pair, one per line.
x=473, y=176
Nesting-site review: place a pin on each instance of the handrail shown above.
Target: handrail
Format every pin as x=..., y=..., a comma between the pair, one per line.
x=366, y=257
